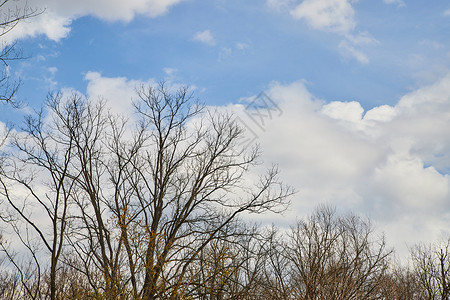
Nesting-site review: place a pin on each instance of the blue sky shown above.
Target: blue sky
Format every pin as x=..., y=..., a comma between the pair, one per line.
x=252, y=44
x=364, y=87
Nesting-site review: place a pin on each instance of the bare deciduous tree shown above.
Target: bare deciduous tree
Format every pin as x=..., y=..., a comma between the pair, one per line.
x=336, y=257
x=275, y=281
x=35, y=182
x=191, y=184
x=432, y=270
x=230, y=267
x=327, y=256
x=400, y=283
x=10, y=16
x=132, y=210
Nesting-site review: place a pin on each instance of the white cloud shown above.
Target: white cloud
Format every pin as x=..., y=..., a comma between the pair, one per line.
x=279, y=4
x=383, y=113
x=348, y=50
x=404, y=179
x=242, y=46
x=53, y=70
x=119, y=92
x=431, y=44
x=362, y=38
x=205, y=37
x=3, y=135
x=170, y=71
x=398, y=2
x=349, y=111
x=390, y=163
x=224, y=53
x=58, y=15
x=335, y=16
x=49, y=23
x=328, y=15
x=50, y=79
x=447, y=13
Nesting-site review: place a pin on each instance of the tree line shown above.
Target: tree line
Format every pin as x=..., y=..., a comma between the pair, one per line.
x=149, y=206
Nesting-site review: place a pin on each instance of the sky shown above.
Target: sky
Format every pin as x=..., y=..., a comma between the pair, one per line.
x=358, y=90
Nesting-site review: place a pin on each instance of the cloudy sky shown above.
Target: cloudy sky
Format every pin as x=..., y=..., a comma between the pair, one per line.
x=359, y=91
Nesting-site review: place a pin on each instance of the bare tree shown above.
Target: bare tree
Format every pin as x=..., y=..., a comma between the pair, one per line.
x=10, y=16
x=432, y=269
x=131, y=210
x=328, y=256
x=228, y=268
x=400, y=283
x=190, y=184
x=336, y=257
x=104, y=207
x=35, y=183
x=94, y=246
x=9, y=285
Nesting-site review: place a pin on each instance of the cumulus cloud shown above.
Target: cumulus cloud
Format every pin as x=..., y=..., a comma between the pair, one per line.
x=119, y=92
x=390, y=162
x=205, y=37
x=328, y=15
x=383, y=113
x=404, y=178
x=57, y=15
x=349, y=111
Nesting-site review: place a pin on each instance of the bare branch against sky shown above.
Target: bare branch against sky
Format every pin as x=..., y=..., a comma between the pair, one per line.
x=345, y=101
